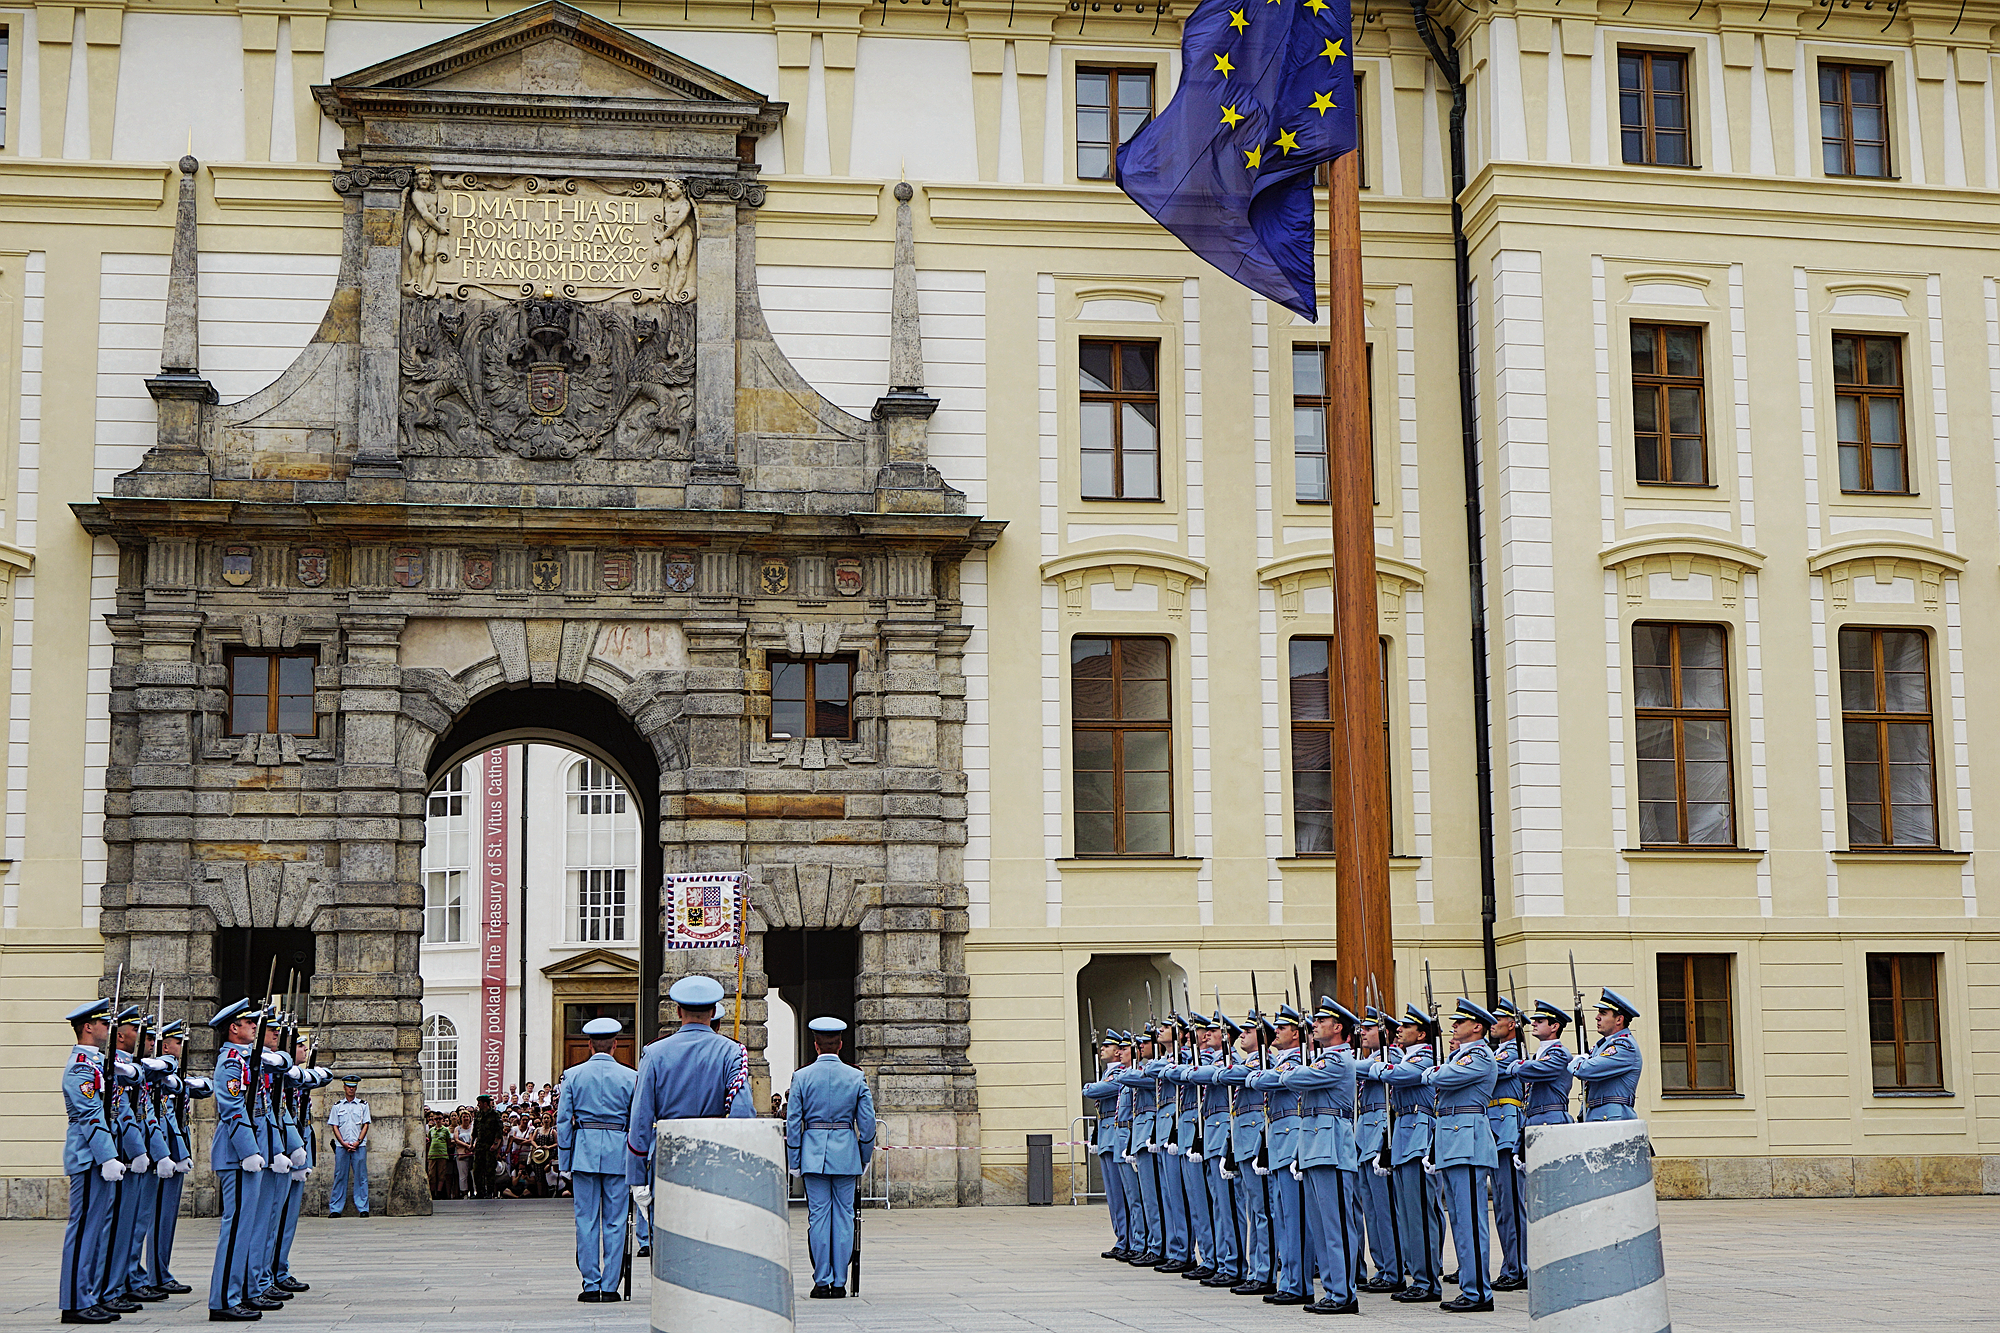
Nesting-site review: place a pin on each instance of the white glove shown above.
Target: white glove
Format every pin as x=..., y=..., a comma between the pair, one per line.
x=173, y=1082
x=1430, y=1169
x=164, y=1169
x=642, y=1195
x=1382, y=1170
x=300, y=1176
x=1296, y=1173
x=113, y=1170
x=1193, y=1156
x=296, y=1074
x=275, y=1059
x=140, y=1163
x=1227, y=1174
x=1575, y=1063
x=199, y=1086
x=187, y=1165
x=253, y=1163
x=1260, y=1170
x=154, y=1066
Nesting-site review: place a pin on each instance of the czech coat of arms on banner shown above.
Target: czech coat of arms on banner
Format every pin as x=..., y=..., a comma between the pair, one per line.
x=705, y=910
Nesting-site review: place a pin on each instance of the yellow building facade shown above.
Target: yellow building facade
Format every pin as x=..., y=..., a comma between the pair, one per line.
x=1733, y=315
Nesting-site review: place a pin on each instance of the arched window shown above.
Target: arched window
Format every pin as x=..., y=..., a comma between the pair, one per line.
x=440, y=1059
x=602, y=853
x=447, y=859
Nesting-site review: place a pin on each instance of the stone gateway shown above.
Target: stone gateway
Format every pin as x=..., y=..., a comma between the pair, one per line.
x=542, y=473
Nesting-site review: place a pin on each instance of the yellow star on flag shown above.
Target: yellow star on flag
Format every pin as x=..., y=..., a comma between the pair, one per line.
x=1237, y=21
x=1322, y=102
x=1222, y=64
x=1333, y=52
x=1253, y=157
x=1317, y=5
x=1231, y=117
x=1287, y=140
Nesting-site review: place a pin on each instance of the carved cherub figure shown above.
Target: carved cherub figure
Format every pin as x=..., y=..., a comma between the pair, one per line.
x=673, y=238
x=424, y=227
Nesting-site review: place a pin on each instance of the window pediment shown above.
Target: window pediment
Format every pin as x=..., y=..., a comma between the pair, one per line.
x=1886, y=573
x=1304, y=585
x=1130, y=580
x=1681, y=569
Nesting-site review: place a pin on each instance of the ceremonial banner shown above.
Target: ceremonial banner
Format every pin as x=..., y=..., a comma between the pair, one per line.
x=705, y=910
x=493, y=864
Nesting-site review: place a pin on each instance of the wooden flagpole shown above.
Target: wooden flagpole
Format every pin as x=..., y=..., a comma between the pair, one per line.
x=1362, y=938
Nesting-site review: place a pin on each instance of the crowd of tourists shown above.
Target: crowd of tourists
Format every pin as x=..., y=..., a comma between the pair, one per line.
x=503, y=1148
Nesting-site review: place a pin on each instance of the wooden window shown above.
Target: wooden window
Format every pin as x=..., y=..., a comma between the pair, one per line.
x=1868, y=411
x=1311, y=700
x=1885, y=731
x=813, y=698
x=1121, y=739
x=1854, y=120
x=1119, y=414
x=1680, y=677
x=1697, y=1052
x=1653, y=107
x=1669, y=418
x=1903, y=1022
x=1311, y=402
x=1112, y=105
x=270, y=692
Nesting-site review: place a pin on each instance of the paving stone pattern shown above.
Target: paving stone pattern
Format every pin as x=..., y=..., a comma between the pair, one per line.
x=1773, y=1266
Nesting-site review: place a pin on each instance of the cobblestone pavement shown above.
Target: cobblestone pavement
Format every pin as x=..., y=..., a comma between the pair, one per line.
x=1773, y=1266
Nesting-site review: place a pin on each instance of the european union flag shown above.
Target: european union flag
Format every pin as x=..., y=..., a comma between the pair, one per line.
x=1266, y=96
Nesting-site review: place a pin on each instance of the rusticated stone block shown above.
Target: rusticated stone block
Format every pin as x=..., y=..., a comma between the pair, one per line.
x=1952, y=1174
x=1812, y=1177
x=1739, y=1177
x=1887, y=1175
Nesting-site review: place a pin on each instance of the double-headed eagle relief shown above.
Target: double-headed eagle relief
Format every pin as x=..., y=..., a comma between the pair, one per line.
x=547, y=317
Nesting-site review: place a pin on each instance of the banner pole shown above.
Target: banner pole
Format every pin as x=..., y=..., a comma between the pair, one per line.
x=739, y=964
x=1362, y=942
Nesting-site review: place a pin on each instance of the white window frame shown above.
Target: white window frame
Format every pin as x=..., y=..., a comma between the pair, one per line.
x=447, y=859
x=600, y=850
x=439, y=1059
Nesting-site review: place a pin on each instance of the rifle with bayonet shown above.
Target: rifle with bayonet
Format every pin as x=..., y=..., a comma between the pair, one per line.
x=1576, y=991
x=1229, y=1167
x=256, y=1060
x=1385, y=1159
x=1096, y=1060
x=1437, y=1058
x=111, y=1064
x=1197, y=1150
x=1263, y=1161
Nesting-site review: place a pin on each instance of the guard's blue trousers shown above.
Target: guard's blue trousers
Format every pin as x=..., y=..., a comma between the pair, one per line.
x=600, y=1202
x=145, y=1189
x=349, y=1165
x=1254, y=1205
x=1114, y=1195
x=1333, y=1202
x=90, y=1200
x=228, y=1282
x=1173, y=1205
x=1378, y=1203
x=1419, y=1225
x=830, y=1226
x=1464, y=1190
x=1194, y=1189
x=1225, y=1224
x=1135, y=1211
x=1147, y=1167
x=157, y=1269
x=1510, y=1215
x=288, y=1227
x=262, y=1225
x=117, y=1270
x=1289, y=1244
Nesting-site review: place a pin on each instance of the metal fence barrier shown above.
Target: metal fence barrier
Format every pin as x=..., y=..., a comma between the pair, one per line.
x=1083, y=1134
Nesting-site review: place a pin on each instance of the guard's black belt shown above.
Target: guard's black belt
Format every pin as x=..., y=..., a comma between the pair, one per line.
x=829, y=1124
x=618, y=1125
x=1606, y=1101
x=1328, y=1112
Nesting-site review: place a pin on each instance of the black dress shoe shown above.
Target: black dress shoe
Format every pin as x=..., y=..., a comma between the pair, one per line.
x=839, y=1293
x=95, y=1314
x=1197, y=1273
x=145, y=1293
x=274, y=1292
x=173, y=1288
x=1415, y=1296
x=234, y=1314
x=1451, y=1278
x=645, y=1251
x=1113, y=1253
x=121, y=1305
x=259, y=1303
x=1466, y=1305
x=363, y=1213
x=1377, y=1286
x=1254, y=1288
x=290, y=1283
x=1287, y=1298
x=820, y=1293
x=1510, y=1284
x=1174, y=1266
x=1325, y=1306
x=1146, y=1260
x=586, y=1295
x=1221, y=1280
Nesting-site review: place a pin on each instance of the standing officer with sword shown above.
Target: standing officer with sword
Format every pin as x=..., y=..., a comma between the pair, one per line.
x=829, y=1139
x=591, y=1119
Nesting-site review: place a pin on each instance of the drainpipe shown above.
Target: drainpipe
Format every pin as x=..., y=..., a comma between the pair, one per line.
x=1442, y=44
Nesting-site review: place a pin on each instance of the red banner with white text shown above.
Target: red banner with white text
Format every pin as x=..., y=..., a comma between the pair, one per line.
x=493, y=864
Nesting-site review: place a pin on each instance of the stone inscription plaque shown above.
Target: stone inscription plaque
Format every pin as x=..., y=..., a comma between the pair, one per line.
x=517, y=236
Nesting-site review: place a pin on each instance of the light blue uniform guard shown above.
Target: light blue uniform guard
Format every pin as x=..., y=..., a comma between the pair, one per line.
x=271, y=1183
x=1416, y=1203
x=145, y=1186
x=1330, y=1159
x=693, y=1073
x=1169, y=1139
x=1184, y=1162
x=156, y=1269
x=1139, y=1078
x=1371, y=1131
x=1546, y=1078
x=1128, y=1174
x=1610, y=1073
x=1225, y=1225
x=237, y=1156
x=1110, y=1146
x=134, y=1148
x=1291, y=1239
x=1465, y=1156
x=305, y=1156
x=829, y=1141
x=1253, y=1199
x=591, y=1119
x=88, y=1150
x=1506, y=1113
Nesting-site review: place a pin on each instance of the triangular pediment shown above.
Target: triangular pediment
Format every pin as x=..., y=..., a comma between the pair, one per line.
x=593, y=963
x=549, y=50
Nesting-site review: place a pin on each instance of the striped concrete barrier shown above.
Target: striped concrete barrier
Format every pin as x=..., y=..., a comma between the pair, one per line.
x=1594, y=1260
x=722, y=1238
